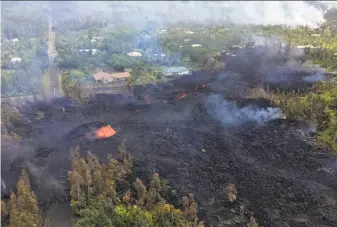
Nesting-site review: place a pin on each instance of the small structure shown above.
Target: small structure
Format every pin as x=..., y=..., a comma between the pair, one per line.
x=94, y=51
x=128, y=70
x=189, y=32
x=175, y=71
x=134, y=54
x=307, y=46
x=119, y=78
x=316, y=35
x=15, y=40
x=162, y=31
x=146, y=36
x=16, y=60
x=96, y=38
x=196, y=45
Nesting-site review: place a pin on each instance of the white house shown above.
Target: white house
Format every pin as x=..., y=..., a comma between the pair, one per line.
x=307, y=46
x=94, y=51
x=134, y=54
x=15, y=40
x=16, y=59
x=316, y=35
x=162, y=31
x=96, y=38
x=189, y=32
x=196, y=45
x=146, y=36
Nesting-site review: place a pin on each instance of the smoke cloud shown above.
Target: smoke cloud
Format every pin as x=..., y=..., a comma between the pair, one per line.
x=230, y=114
x=256, y=12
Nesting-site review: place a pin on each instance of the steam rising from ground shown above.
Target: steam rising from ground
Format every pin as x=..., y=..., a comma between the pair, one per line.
x=230, y=114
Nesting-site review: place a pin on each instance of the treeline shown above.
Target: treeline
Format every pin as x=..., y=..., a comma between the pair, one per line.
x=318, y=106
x=22, y=208
x=102, y=196
x=321, y=42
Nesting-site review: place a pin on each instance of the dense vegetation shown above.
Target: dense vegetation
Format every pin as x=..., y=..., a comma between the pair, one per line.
x=22, y=208
x=21, y=38
x=102, y=196
x=318, y=106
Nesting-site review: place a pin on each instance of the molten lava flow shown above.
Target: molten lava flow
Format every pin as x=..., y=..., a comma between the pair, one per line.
x=181, y=95
x=105, y=132
x=147, y=99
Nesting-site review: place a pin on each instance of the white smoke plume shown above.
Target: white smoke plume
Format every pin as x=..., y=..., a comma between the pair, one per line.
x=230, y=114
x=257, y=12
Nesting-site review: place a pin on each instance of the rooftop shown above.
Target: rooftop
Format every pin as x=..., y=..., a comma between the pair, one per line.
x=110, y=76
x=134, y=54
x=174, y=69
x=16, y=59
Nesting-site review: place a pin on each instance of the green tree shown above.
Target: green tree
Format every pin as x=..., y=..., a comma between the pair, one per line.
x=23, y=208
x=120, y=61
x=126, y=159
x=141, y=192
x=4, y=210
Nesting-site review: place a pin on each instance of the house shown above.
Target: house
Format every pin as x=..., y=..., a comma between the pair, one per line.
x=189, y=32
x=15, y=40
x=316, y=35
x=16, y=60
x=134, y=54
x=196, y=45
x=162, y=31
x=186, y=40
x=93, y=51
x=96, y=38
x=175, y=71
x=307, y=46
x=146, y=36
x=119, y=78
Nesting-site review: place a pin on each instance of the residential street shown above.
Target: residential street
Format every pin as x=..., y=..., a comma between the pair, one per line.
x=53, y=71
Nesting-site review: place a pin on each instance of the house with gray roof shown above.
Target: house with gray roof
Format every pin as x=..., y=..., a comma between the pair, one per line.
x=175, y=71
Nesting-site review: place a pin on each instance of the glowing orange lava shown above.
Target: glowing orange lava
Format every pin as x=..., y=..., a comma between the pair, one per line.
x=105, y=132
x=181, y=95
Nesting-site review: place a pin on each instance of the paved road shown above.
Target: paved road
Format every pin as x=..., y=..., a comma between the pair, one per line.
x=52, y=53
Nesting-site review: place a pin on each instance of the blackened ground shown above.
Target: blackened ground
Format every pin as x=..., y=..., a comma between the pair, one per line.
x=274, y=166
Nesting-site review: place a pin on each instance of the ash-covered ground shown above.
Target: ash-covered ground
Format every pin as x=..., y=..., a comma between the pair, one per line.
x=200, y=142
